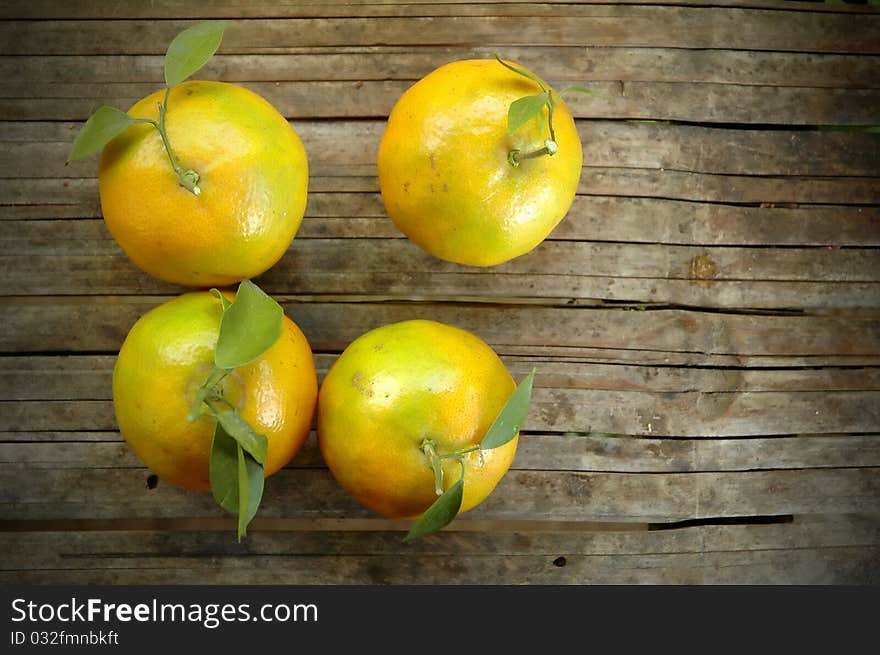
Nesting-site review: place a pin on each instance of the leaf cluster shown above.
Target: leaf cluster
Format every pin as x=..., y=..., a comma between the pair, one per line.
x=522, y=110
x=250, y=325
x=503, y=429
x=187, y=54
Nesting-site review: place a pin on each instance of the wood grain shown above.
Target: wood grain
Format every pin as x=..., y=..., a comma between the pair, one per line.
x=675, y=101
x=584, y=64
x=829, y=551
x=690, y=414
x=65, y=197
x=232, y=9
x=122, y=493
x=361, y=215
x=42, y=325
x=88, y=377
x=535, y=452
x=609, y=25
x=37, y=242
x=72, y=394
x=89, y=261
x=703, y=323
x=343, y=148
x=846, y=565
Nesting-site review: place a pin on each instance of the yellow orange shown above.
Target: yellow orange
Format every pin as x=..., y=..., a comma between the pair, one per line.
x=253, y=179
x=168, y=354
x=444, y=173
x=397, y=386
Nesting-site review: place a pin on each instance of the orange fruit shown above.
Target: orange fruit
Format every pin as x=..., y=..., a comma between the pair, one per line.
x=399, y=386
x=168, y=354
x=253, y=180
x=444, y=173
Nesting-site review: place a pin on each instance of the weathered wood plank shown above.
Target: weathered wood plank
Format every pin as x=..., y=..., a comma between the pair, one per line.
x=694, y=292
x=37, y=325
x=689, y=185
x=645, y=455
x=699, y=414
x=653, y=220
x=56, y=464
x=51, y=198
x=100, y=277
x=728, y=151
x=34, y=324
x=610, y=25
x=66, y=493
x=707, y=103
x=713, y=187
x=828, y=551
x=591, y=218
x=73, y=394
x=88, y=377
x=846, y=565
x=51, y=257
x=349, y=148
x=26, y=247
x=536, y=452
x=40, y=9
x=582, y=65
x=690, y=414
x=520, y=538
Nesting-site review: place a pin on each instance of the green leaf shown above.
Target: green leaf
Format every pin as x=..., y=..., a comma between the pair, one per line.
x=522, y=71
x=219, y=296
x=511, y=417
x=240, y=430
x=195, y=410
x=191, y=49
x=440, y=514
x=207, y=390
x=236, y=479
x=250, y=490
x=249, y=327
x=542, y=122
x=579, y=89
x=521, y=111
x=101, y=128
x=224, y=470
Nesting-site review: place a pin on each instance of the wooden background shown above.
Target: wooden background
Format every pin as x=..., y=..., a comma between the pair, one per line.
x=704, y=323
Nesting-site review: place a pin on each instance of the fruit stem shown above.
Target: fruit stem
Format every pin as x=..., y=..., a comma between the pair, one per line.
x=188, y=178
x=213, y=404
x=550, y=147
x=429, y=448
x=458, y=454
x=514, y=157
x=208, y=391
x=216, y=376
